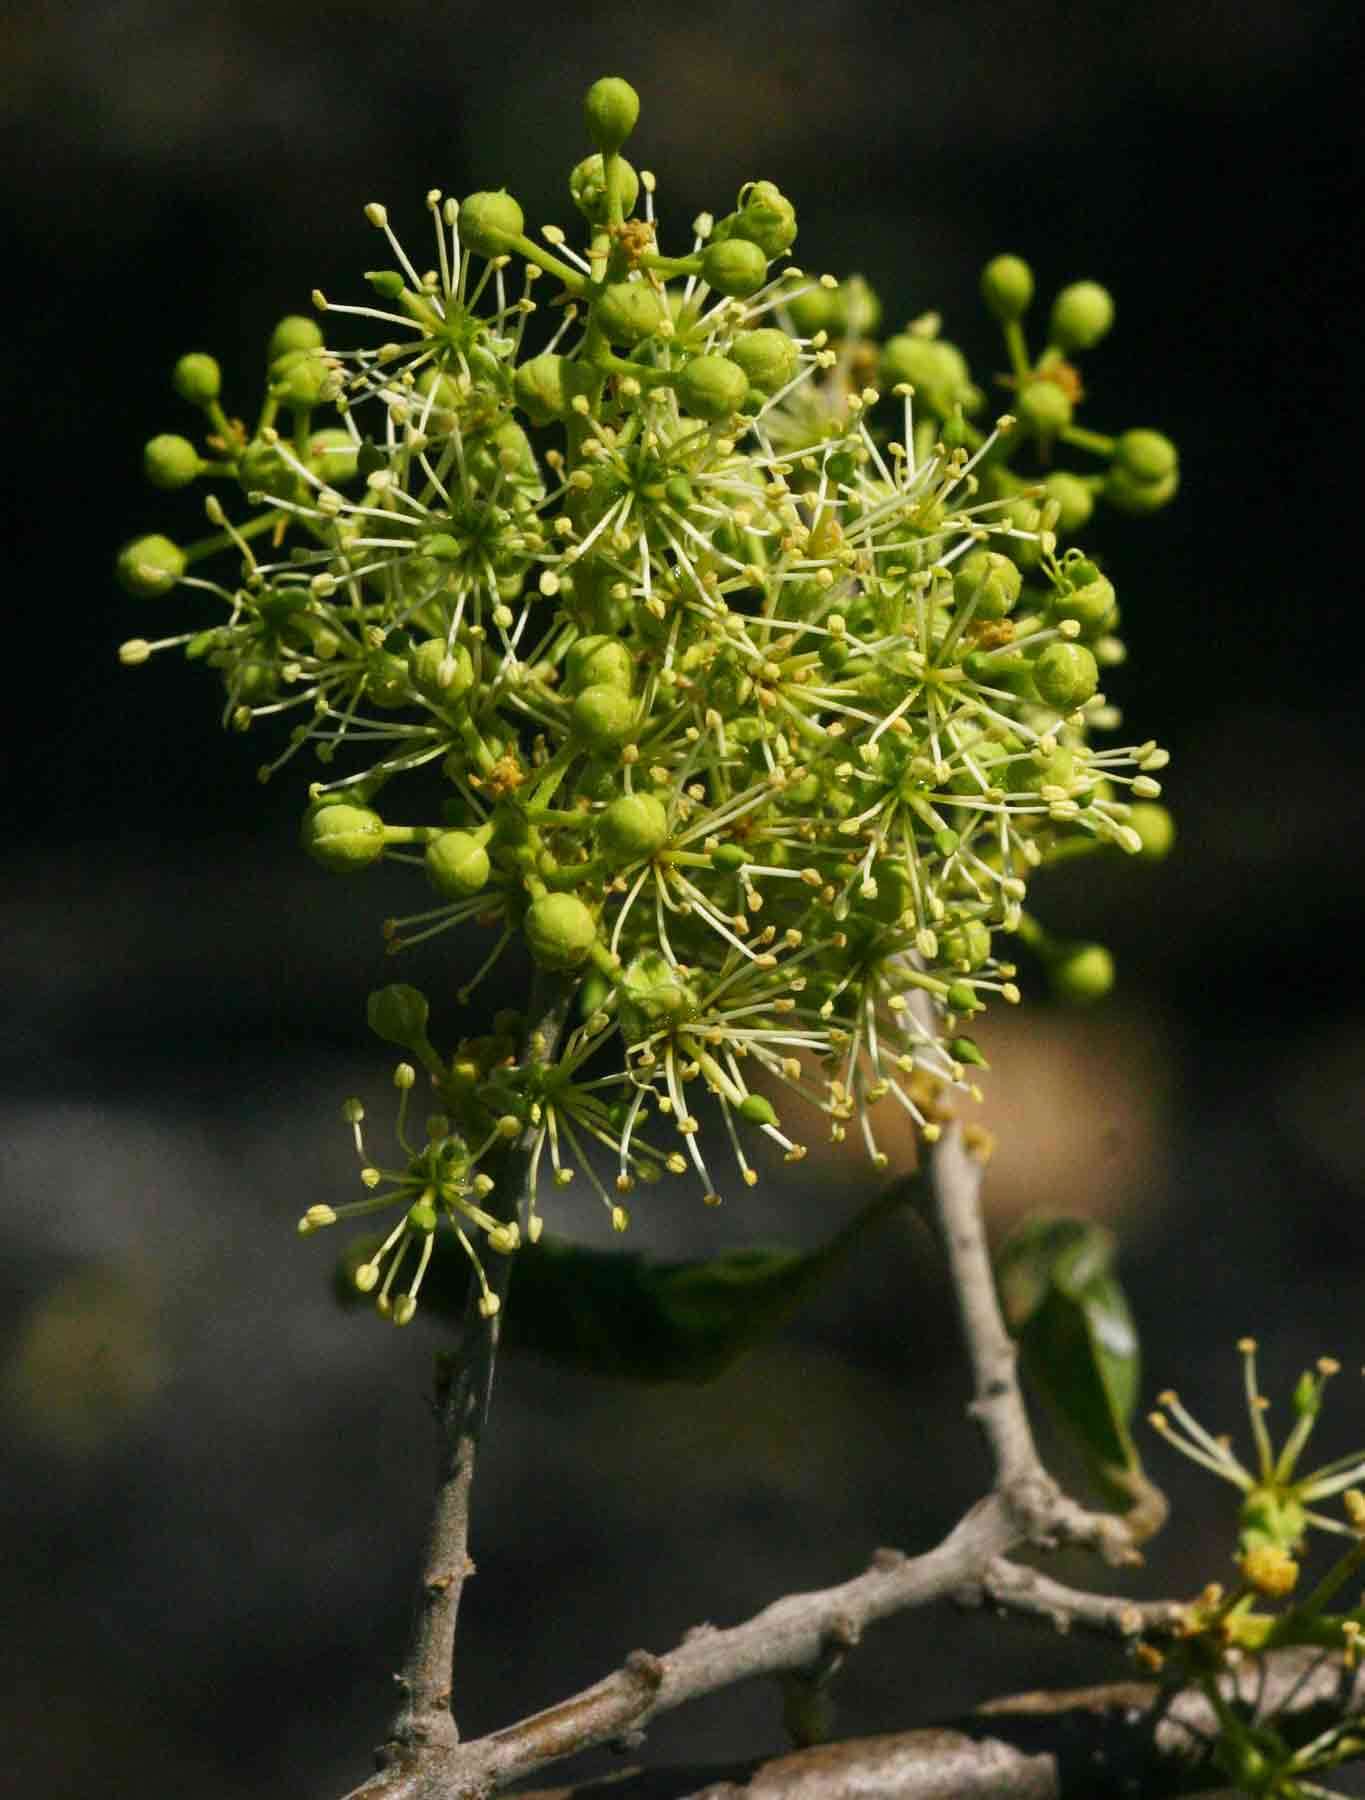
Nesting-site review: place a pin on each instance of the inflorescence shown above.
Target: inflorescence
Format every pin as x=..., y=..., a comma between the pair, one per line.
x=746, y=651
x=1264, y=1609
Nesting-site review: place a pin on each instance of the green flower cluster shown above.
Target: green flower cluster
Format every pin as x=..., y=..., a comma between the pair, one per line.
x=1264, y=1610
x=753, y=668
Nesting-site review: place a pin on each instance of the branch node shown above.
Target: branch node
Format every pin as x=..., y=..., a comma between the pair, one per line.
x=647, y=1669
x=887, y=1558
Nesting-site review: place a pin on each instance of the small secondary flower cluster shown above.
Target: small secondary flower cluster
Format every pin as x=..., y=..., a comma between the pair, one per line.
x=756, y=676
x=1279, y=1507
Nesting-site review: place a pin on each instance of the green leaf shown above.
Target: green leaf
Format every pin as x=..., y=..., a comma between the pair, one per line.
x=618, y=1313
x=1078, y=1344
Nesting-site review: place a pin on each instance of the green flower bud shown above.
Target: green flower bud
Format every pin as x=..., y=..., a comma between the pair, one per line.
x=969, y=942
x=735, y=266
x=545, y=386
x=560, y=930
x=1043, y=407
x=1007, y=287
x=962, y=998
x=711, y=387
x=1081, y=315
x=588, y=188
x=399, y=1014
x=603, y=717
x=1066, y=675
x=386, y=680
x=333, y=454
x=632, y=826
x=262, y=469
x=1090, y=603
x=653, y=994
x=1022, y=515
x=765, y=217
x=1073, y=497
x=755, y=1110
x=815, y=310
x=859, y=311
x=1030, y=776
x=989, y=578
x=294, y=333
x=301, y=380
x=457, y=865
x=610, y=110
x=438, y=674
x=169, y=461
x=964, y=1050
x=599, y=661
x=197, y=378
x=489, y=222
x=1155, y=826
x=1146, y=456
x=1082, y=974
x=936, y=370
x=629, y=312
x=1127, y=495
x=834, y=654
x=767, y=357
x=149, y=565
x=343, y=838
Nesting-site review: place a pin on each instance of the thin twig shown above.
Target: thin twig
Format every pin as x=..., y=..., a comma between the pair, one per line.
x=1011, y=1587
x=795, y=1632
x=791, y=1634
x=1097, y=1743
x=1046, y=1516
x=425, y=1721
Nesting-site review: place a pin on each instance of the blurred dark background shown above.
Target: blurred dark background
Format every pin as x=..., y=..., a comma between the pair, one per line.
x=215, y=1485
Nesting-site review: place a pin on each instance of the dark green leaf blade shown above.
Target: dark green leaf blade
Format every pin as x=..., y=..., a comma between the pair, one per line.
x=621, y=1314
x=1078, y=1344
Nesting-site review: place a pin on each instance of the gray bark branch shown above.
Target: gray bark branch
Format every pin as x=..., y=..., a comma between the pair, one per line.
x=1112, y=1742
x=800, y=1632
